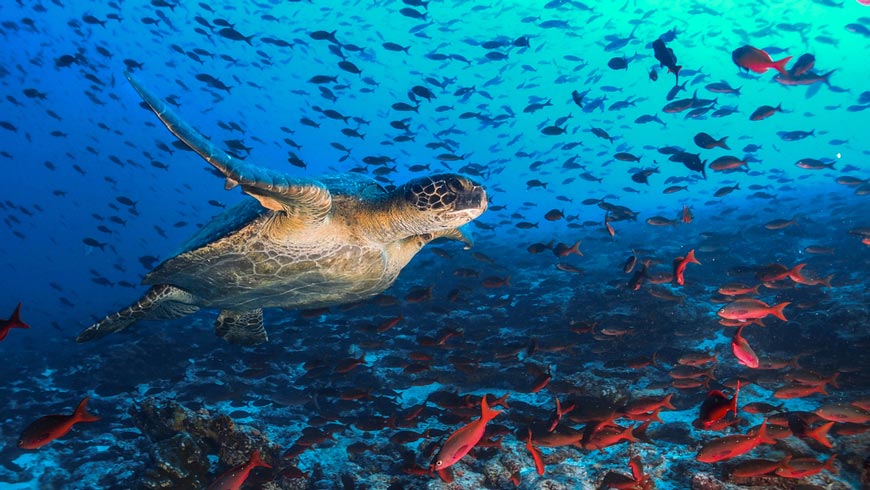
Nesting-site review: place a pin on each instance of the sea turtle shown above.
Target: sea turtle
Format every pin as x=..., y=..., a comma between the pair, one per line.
x=299, y=243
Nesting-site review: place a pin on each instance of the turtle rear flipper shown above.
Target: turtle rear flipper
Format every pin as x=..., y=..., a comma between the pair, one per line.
x=159, y=303
x=241, y=327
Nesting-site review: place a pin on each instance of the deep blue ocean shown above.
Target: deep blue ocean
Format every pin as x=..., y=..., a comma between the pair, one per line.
x=567, y=113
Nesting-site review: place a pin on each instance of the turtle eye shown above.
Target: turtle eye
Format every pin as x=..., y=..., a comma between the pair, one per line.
x=454, y=184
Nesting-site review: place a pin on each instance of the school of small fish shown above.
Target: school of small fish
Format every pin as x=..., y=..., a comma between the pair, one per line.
x=669, y=286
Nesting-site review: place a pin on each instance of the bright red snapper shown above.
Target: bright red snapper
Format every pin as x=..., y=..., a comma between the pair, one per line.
x=46, y=429
x=751, y=309
x=804, y=467
x=680, y=264
x=716, y=406
x=732, y=446
x=742, y=351
x=234, y=477
x=14, y=321
x=536, y=454
x=464, y=439
x=757, y=60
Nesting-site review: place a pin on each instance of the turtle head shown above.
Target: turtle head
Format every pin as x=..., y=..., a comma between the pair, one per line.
x=444, y=201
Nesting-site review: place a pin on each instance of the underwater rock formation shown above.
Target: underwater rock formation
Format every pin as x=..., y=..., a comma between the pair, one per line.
x=183, y=440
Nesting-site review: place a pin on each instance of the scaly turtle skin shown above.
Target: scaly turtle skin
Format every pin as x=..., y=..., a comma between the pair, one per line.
x=300, y=243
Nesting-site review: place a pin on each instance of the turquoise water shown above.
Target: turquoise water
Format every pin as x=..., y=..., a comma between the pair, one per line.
x=77, y=148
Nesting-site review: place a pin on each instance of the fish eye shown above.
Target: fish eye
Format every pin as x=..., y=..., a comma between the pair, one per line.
x=439, y=463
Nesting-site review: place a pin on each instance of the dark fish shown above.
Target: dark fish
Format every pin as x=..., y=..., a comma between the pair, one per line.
x=234, y=35
x=94, y=243
x=553, y=130
x=618, y=63
x=666, y=57
x=578, y=97
x=414, y=14
x=395, y=47
x=803, y=64
x=692, y=161
x=764, y=112
x=708, y=142
x=794, y=135
x=349, y=67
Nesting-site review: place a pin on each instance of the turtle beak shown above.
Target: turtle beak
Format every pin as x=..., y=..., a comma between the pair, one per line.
x=473, y=199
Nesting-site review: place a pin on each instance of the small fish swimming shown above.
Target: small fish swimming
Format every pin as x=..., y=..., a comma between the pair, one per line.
x=50, y=427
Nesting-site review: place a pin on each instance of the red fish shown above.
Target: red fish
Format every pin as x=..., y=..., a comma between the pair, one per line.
x=234, y=477
x=742, y=351
x=729, y=447
x=716, y=406
x=541, y=381
x=799, y=391
x=557, y=417
x=680, y=264
x=14, y=321
x=804, y=467
x=536, y=454
x=48, y=428
x=751, y=309
x=687, y=216
x=464, y=439
x=757, y=60
x=608, y=436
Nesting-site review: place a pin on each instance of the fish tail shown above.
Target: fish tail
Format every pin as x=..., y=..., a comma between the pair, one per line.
x=829, y=464
x=256, y=461
x=777, y=310
x=15, y=320
x=795, y=274
x=690, y=257
x=833, y=379
x=82, y=415
x=820, y=434
x=666, y=403
x=780, y=65
x=486, y=413
x=576, y=248
x=763, y=436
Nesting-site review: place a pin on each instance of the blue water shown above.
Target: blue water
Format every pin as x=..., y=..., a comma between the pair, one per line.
x=76, y=145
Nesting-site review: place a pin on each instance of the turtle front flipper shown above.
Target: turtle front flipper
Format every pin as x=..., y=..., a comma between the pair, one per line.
x=303, y=199
x=241, y=327
x=161, y=302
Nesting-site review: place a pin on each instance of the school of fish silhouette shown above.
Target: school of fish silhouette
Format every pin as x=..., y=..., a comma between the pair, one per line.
x=698, y=320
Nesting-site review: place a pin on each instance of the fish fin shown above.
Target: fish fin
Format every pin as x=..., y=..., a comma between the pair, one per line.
x=777, y=310
x=829, y=464
x=256, y=461
x=15, y=320
x=486, y=413
x=820, y=434
x=81, y=414
x=734, y=402
x=763, y=436
x=241, y=327
x=155, y=304
x=780, y=65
